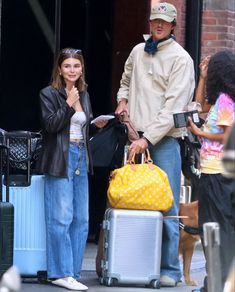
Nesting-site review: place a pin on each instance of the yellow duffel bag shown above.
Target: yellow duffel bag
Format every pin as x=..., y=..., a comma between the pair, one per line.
x=140, y=187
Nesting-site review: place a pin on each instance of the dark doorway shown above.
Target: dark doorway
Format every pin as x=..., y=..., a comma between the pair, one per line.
x=25, y=64
x=87, y=25
x=27, y=54
x=105, y=30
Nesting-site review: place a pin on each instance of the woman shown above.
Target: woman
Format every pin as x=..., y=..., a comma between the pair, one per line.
x=215, y=189
x=66, y=114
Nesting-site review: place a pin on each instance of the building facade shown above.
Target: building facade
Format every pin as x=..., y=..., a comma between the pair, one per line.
x=106, y=31
x=217, y=24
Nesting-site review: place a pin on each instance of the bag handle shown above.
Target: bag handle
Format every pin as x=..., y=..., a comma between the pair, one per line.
x=146, y=159
x=132, y=132
x=23, y=134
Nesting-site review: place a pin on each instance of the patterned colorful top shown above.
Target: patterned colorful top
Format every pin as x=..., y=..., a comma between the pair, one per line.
x=222, y=113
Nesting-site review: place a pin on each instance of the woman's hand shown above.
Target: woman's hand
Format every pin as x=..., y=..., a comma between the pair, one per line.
x=73, y=96
x=101, y=123
x=204, y=66
x=193, y=128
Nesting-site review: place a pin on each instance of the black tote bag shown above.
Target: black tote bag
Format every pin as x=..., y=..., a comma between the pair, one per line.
x=107, y=145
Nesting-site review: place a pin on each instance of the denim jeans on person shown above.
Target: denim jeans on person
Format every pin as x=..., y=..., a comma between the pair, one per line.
x=166, y=155
x=66, y=213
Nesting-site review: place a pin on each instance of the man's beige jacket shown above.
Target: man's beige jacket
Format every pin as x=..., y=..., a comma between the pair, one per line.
x=156, y=86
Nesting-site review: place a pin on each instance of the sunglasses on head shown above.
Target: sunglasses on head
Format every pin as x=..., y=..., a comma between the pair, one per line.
x=78, y=51
x=72, y=51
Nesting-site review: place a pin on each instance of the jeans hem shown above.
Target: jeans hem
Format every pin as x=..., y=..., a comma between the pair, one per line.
x=59, y=276
x=176, y=279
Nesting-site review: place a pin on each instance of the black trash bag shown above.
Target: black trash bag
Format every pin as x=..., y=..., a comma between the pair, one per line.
x=107, y=145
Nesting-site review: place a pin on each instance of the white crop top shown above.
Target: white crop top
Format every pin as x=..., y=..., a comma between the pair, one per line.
x=76, y=123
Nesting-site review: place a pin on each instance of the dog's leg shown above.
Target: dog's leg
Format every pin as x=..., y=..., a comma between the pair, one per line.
x=187, y=258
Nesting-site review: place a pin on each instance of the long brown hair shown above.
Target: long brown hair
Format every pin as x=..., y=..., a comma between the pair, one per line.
x=57, y=80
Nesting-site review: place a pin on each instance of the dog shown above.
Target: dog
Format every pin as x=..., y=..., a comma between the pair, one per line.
x=189, y=236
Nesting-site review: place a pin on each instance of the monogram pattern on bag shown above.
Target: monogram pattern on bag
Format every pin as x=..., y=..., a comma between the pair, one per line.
x=142, y=186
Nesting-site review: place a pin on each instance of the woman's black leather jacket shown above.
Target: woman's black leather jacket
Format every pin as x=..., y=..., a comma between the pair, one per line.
x=56, y=115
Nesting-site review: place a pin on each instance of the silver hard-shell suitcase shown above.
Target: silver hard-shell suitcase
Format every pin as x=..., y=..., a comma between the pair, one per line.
x=132, y=247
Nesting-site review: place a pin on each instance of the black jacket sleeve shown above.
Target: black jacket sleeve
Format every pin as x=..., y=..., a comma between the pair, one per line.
x=56, y=113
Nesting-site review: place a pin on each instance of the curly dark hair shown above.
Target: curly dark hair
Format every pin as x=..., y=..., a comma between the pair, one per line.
x=221, y=76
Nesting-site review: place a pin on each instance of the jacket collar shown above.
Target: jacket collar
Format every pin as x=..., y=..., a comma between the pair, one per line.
x=62, y=91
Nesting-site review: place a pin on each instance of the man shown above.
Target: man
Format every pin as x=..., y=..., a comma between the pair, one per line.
x=158, y=80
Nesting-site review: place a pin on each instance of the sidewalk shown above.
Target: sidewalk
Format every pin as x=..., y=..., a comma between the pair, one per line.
x=90, y=279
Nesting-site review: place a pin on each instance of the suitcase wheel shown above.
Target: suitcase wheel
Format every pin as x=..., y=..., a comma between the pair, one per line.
x=101, y=280
x=109, y=281
x=42, y=277
x=155, y=284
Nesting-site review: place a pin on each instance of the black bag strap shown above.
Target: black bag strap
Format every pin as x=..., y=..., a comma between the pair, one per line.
x=6, y=149
x=122, y=138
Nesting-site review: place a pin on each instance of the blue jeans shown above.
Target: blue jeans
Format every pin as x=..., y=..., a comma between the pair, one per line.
x=166, y=155
x=66, y=212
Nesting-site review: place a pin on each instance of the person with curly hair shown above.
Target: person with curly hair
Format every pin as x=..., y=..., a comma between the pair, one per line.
x=216, y=190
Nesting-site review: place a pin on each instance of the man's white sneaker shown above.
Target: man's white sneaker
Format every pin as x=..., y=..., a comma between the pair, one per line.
x=70, y=283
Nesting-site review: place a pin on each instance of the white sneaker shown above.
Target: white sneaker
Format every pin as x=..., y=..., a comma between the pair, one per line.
x=70, y=283
x=167, y=281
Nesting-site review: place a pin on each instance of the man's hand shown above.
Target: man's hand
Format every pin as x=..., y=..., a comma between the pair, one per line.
x=136, y=147
x=122, y=107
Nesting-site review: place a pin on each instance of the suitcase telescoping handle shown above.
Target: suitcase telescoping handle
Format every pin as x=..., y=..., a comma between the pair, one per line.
x=125, y=154
x=6, y=149
x=126, y=149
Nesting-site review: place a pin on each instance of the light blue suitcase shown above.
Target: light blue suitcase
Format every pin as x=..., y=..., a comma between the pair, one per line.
x=29, y=238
